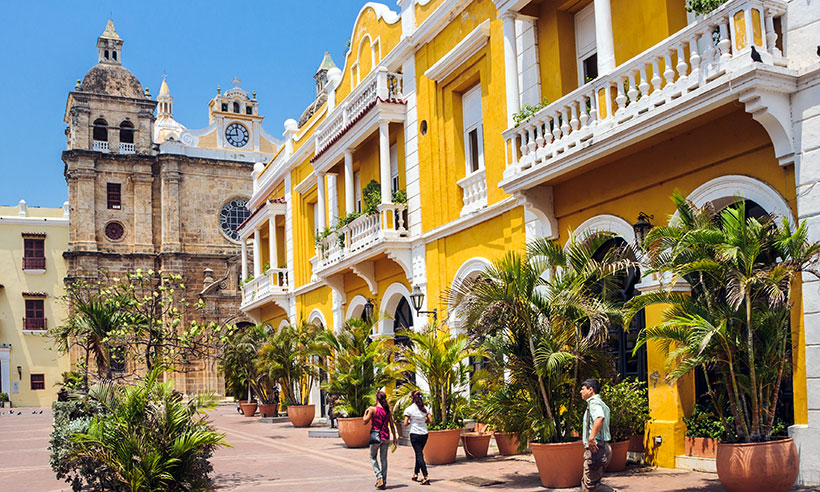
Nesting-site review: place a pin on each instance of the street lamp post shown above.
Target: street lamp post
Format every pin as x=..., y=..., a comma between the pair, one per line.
x=417, y=299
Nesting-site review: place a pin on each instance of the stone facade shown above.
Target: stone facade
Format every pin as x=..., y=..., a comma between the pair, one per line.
x=168, y=205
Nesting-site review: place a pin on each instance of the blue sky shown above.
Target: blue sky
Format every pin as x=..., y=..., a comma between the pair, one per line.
x=273, y=46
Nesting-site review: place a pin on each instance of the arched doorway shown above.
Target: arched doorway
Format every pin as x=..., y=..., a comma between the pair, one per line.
x=402, y=326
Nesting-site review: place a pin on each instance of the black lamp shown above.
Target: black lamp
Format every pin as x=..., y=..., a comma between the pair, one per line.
x=368, y=309
x=642, y=227
x=417, y=299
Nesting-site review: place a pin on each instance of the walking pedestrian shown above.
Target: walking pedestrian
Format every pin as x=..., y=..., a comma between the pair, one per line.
x=597, y=452
x=417, y=417
x=381, y=427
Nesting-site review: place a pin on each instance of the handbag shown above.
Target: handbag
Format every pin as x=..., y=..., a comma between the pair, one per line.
x=375, y=436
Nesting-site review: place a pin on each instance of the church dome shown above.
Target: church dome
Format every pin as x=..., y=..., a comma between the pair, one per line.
x=112, y=80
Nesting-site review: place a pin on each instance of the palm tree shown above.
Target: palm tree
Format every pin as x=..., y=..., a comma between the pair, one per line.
x=441, y=358
x=545, y=315
x=736, y=322
x=358, y=365
x=239, y=355
x=287, y=356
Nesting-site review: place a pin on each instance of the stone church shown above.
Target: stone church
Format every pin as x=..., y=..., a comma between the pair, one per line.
x=147, y=192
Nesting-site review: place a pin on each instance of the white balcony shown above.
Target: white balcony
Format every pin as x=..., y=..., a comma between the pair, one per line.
x=269, y=287
x=378, y=97
x=703, y=66
x=99, y=146
x=127, y=148
x=474, y=189
x=362, y=240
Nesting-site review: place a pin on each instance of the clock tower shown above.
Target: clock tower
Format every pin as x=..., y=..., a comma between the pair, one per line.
x=147, y=192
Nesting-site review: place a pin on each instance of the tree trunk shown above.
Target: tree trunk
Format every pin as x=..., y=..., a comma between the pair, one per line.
x=752, y=372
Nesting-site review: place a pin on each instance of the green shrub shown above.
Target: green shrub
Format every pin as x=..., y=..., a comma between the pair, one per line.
x=628, y=403
x=703, y=6
x=4, y=397
x=71, y=417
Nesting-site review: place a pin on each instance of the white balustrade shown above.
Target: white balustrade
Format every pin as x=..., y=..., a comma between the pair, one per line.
x=474, y=188
x=639, y=88
x=272, y=282
x=379, y=85
x=127, y=148
x=99, y=146
x=359, y=234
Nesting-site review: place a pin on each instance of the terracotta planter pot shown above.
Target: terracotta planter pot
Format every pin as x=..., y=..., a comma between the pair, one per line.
x=618, y=461
x=701, y=447
x=301, y=415
x=507, y=443
x=475, y=444
x=636, y=444
x=269, y=409
x=442, y=446
x=758, y=467
x=248, y=409
x=354, y=432
x=560, y=465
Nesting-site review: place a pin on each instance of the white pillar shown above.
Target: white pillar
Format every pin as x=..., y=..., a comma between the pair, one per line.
x=604, y=44
x=333, y=199
x=384, y=161
x=274, y=263
x=511, y=66
x=350, y=205
x=257, y=253
x=320, y=191
x=5, y=375
x=244, y=258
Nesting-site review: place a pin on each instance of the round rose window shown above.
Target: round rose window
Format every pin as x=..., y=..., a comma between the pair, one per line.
x=114, y=231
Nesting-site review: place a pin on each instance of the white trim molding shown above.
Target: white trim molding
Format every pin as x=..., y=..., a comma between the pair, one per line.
x=607, y=223
x=460, y=53
x=725, y=190
x=388, y=304
x=474, y=265
x=317, y=314
x=355, y=307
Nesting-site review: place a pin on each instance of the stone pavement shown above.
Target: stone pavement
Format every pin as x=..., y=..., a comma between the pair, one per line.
x=278, y=457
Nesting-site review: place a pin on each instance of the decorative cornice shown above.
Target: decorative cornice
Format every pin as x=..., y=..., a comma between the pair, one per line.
x=467, y=47
x=38, y=221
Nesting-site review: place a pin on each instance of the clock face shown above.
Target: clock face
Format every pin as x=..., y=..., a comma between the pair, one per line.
x=236, y=135
x=232, y=214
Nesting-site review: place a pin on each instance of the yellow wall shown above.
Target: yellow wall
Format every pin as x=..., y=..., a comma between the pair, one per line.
x=35, y=354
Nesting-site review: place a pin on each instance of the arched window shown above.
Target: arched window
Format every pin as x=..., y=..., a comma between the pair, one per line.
x=235, y=107
x=114, y=55
x=100, y=130
x=106, y=54
x=402, y=325
x=126, y=132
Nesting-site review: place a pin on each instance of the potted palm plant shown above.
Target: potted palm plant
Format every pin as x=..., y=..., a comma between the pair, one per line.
x=703, y=431
x=287, y=358
x=628, y=403
x=544, y=314
x=238, y=363
x=357, y=367
x=440, y=358
x=735, y=323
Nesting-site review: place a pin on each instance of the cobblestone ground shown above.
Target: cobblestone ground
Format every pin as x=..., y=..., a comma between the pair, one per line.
x=278, y=457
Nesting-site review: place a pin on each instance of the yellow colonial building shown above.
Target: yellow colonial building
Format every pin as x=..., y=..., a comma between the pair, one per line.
x=32, y=268
x=455, y=131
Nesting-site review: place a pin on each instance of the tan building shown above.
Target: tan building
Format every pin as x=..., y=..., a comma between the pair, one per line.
x=32, y=241
x=148, y=193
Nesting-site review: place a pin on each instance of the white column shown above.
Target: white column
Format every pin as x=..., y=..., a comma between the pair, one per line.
x=384, y=161
x=320, y=191
x=257, y=253
x=350, y=205
x=510, y=66
x=333, y=199
x=244, y=259
x=604, y=43
x=5, y=381
x=274, y=262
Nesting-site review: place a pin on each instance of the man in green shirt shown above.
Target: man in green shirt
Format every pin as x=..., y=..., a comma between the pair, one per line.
x=596, y=436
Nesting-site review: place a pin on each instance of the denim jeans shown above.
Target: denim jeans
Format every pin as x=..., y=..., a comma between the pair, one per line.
x=381, y=450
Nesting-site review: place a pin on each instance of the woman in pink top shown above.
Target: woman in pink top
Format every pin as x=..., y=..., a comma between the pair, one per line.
x=381, y=426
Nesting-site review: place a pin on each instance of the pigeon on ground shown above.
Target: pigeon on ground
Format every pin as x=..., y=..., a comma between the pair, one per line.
x=755, y=55
x=41, y=412
x=34, y=412
x=818, y=50
x=19, y=413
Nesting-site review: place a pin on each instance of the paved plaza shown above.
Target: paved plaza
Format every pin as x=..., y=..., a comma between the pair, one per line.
x=274, y=457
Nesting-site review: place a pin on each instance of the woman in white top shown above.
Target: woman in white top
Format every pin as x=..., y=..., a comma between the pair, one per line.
x=417, y=417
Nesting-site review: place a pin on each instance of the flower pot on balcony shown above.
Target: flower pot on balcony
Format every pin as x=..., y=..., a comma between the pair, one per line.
x=560, y=465
x=475, y=444
x=442, y=446
x=757, y=466
x=618, y=460
x=507, y=443
x=701, y=447
x=248, y=409
x=269, y=409
x=354, y=432
x=301, y=415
